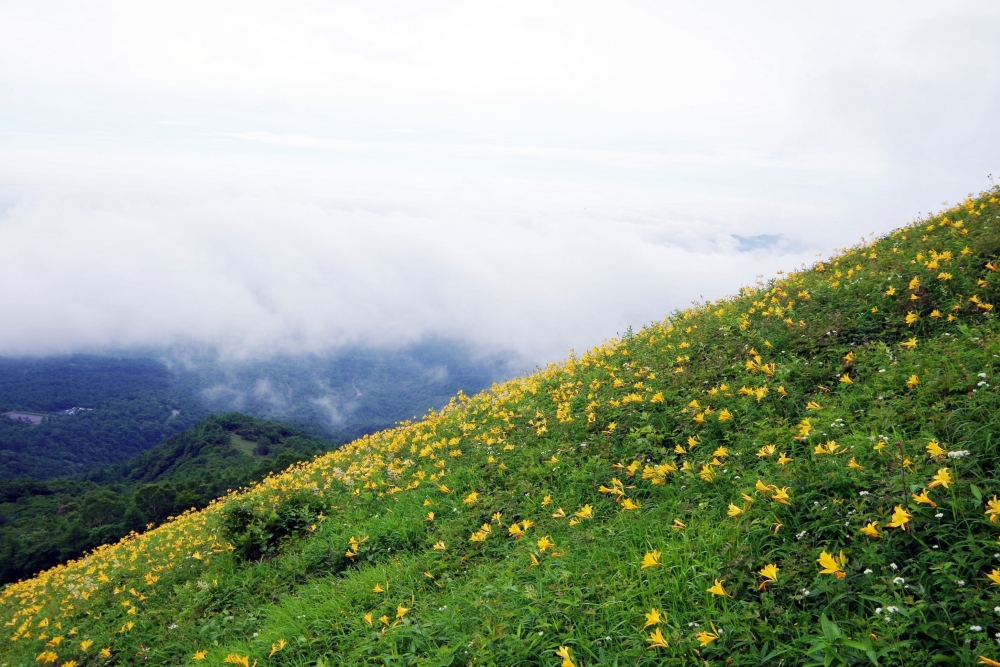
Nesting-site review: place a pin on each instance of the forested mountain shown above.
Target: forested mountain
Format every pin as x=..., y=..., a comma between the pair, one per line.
x=66, y=415
x=43, y=523
x=129, y=405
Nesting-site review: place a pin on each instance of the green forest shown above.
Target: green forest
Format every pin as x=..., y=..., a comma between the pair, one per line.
x=44, y=523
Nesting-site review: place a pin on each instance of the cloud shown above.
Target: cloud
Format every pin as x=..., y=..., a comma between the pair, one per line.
x=518, y=176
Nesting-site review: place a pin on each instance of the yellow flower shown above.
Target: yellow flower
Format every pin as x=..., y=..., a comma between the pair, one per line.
x=941, y=478
x=546, y=500
x=439, y=545
x=781, y=496
x=993, y=509
x=534, y=561
x=563, y=652
x=651, y=559
x=983, y=660
x=677, y=524
x=104, y=653
x=813, y=405
x=854, y=464
x=377, y=588
x=909, y=344
x=832, y=564
x=545, y=543
x=627, y=504
x=734, y=510
x=652, y=617
x=783, y=459
x=770, y=574
x=199, y=655
x=924, y=499
x=764, y=488
x=830, y=447
x=368, y=618
x=725, y=415
x=912, y=381
x=934, y=449
x=237, y=659
x=585, y=512
x=871, y=530
x=281, y=643
x=559, y=514
x=86, y=644
x=705, y=637
x=890, y=291
x=766, y=450
x=994, y=576
x=657, y=640
x=429, y=517
x=900, y=518
x=444, y=489
x=717, y=589
x=401, y=611
x=846, y=379
x=471, y=498
x=911, y=317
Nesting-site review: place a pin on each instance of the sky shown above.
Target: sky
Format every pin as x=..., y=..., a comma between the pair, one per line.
x=265, y=178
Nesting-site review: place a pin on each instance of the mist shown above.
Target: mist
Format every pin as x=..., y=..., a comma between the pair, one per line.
x=264, y=180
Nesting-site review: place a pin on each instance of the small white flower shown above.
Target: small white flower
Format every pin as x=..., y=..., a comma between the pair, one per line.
x=935, y=547
x=868, y=570
x=891, y=610
x=894, y=566
x=975, y=628
x=958, y=454
x=982, y=375
x=864, y=493
x=960, y=582
x=898, y=581
x=938, y=516
x=997, y=609
x=878, y=610
x=172, y=626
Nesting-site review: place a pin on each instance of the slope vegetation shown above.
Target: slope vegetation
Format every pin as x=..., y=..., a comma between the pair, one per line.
x=803, y=473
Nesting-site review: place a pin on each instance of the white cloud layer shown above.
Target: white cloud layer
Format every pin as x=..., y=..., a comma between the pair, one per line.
x=266, y=177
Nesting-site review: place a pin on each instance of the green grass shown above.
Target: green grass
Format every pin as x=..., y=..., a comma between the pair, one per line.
x=285, y=573
x=244, y=446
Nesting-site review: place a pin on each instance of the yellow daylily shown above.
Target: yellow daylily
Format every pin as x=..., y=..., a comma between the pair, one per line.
x=924, y=499
x=705, y=637
x=717, y=589
x=657, y=639
x=651, y=559
x=941, y=478
x=832, y=564
x=770, y=574
x=900, y=518
x=564, y=653
x=871, y=530
x=652, y=617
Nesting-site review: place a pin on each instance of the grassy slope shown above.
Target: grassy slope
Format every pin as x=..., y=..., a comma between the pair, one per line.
x=826, y=346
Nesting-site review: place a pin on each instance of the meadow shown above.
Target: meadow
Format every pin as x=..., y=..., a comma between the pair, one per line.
x=803, y=473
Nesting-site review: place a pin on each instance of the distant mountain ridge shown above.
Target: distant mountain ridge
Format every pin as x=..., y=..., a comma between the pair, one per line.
x=84, y=412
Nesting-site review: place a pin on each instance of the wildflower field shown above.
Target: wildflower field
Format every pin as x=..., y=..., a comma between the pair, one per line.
x=804, y=473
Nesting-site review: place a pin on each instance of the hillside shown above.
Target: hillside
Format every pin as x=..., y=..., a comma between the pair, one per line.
x=43, y=523
x=800, y=474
